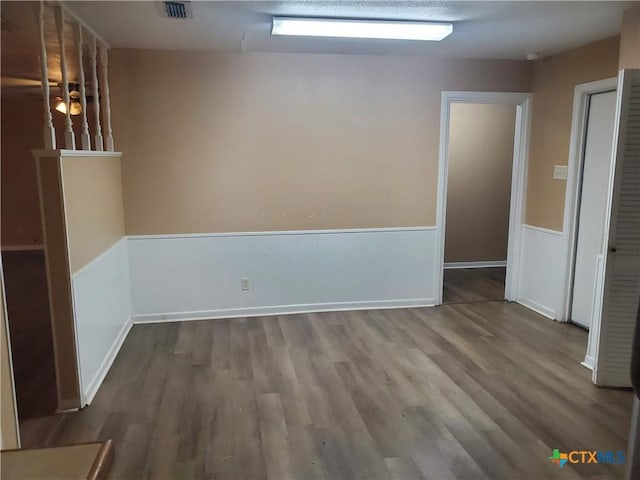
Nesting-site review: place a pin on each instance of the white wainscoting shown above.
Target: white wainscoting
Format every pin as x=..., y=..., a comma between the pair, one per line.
x=102, y=305
x=179, y=277
x=542, y=271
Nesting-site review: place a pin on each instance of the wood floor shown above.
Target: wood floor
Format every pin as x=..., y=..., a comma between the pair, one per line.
x=474, y=391
x=469, y=285
x=30, y=330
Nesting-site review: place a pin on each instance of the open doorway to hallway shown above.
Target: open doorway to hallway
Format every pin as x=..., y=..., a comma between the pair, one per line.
x=23, y=256
x=31, y=336
x=480, y=160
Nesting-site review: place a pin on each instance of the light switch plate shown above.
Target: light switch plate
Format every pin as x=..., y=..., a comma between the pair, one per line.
x=559, y=172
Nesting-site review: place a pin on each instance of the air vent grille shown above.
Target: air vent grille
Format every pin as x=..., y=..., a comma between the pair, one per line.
x=177, y=9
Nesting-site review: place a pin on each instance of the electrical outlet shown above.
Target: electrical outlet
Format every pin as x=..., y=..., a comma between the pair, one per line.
x=244, y=284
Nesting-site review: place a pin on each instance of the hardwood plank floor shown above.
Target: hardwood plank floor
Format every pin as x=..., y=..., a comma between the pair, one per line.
x=470, y=285
x=30, y=330
x=472, y=391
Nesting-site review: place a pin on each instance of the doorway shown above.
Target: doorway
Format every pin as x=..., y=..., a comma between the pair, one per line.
x=23, y=258
x=493, y=271
x=593, y=185
x=589, y=174
x=480, y=159
x=29, y=321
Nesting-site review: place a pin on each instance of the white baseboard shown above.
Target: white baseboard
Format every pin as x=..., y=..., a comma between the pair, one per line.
x=282, y=310
x=92, y=388
x=588, y=362
x=68, y=405
x=536, y=307
x=543, y=230
x=483, y=264
x=22, y=248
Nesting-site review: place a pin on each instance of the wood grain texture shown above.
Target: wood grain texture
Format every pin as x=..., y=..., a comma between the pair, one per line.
x=469, y=391
x=469, y=285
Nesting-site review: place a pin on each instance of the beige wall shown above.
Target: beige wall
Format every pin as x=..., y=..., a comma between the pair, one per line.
x=8, y=424
x=480, y=158
x=253, y=141
x=630, y=39
x=554, y=80
x=93, y=204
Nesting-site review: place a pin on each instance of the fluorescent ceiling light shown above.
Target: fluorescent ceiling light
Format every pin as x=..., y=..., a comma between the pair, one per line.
x=327, y=27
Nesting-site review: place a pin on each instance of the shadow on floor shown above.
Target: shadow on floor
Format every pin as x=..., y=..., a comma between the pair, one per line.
x=30, y=329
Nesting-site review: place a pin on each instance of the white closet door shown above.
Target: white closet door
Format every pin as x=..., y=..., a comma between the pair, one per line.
x=593, y=203
x=622, y=258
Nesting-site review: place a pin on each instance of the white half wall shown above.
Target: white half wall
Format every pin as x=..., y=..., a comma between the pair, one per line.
x=177, y=277
x=542, y=271
x=102, y=305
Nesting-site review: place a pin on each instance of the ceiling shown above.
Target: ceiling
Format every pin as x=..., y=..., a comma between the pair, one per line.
x=21, y=48
x=506, y=30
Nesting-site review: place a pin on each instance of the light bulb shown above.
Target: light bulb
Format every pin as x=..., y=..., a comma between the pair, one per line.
x=61, y=107
x=76, y=107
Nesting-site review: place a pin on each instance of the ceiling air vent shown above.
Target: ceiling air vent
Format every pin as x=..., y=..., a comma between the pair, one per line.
x=177, y=9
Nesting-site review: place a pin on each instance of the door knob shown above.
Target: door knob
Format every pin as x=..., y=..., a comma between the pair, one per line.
x=613, y=249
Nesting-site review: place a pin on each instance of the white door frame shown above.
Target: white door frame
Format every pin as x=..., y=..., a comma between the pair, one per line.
x=522, y=101
x=581, y=95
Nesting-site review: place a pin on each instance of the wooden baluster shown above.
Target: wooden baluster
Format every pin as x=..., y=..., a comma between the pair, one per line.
x=96, y=92
x=85, y=138
x=69, y=138
x=104, y=60
x=48, y=130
